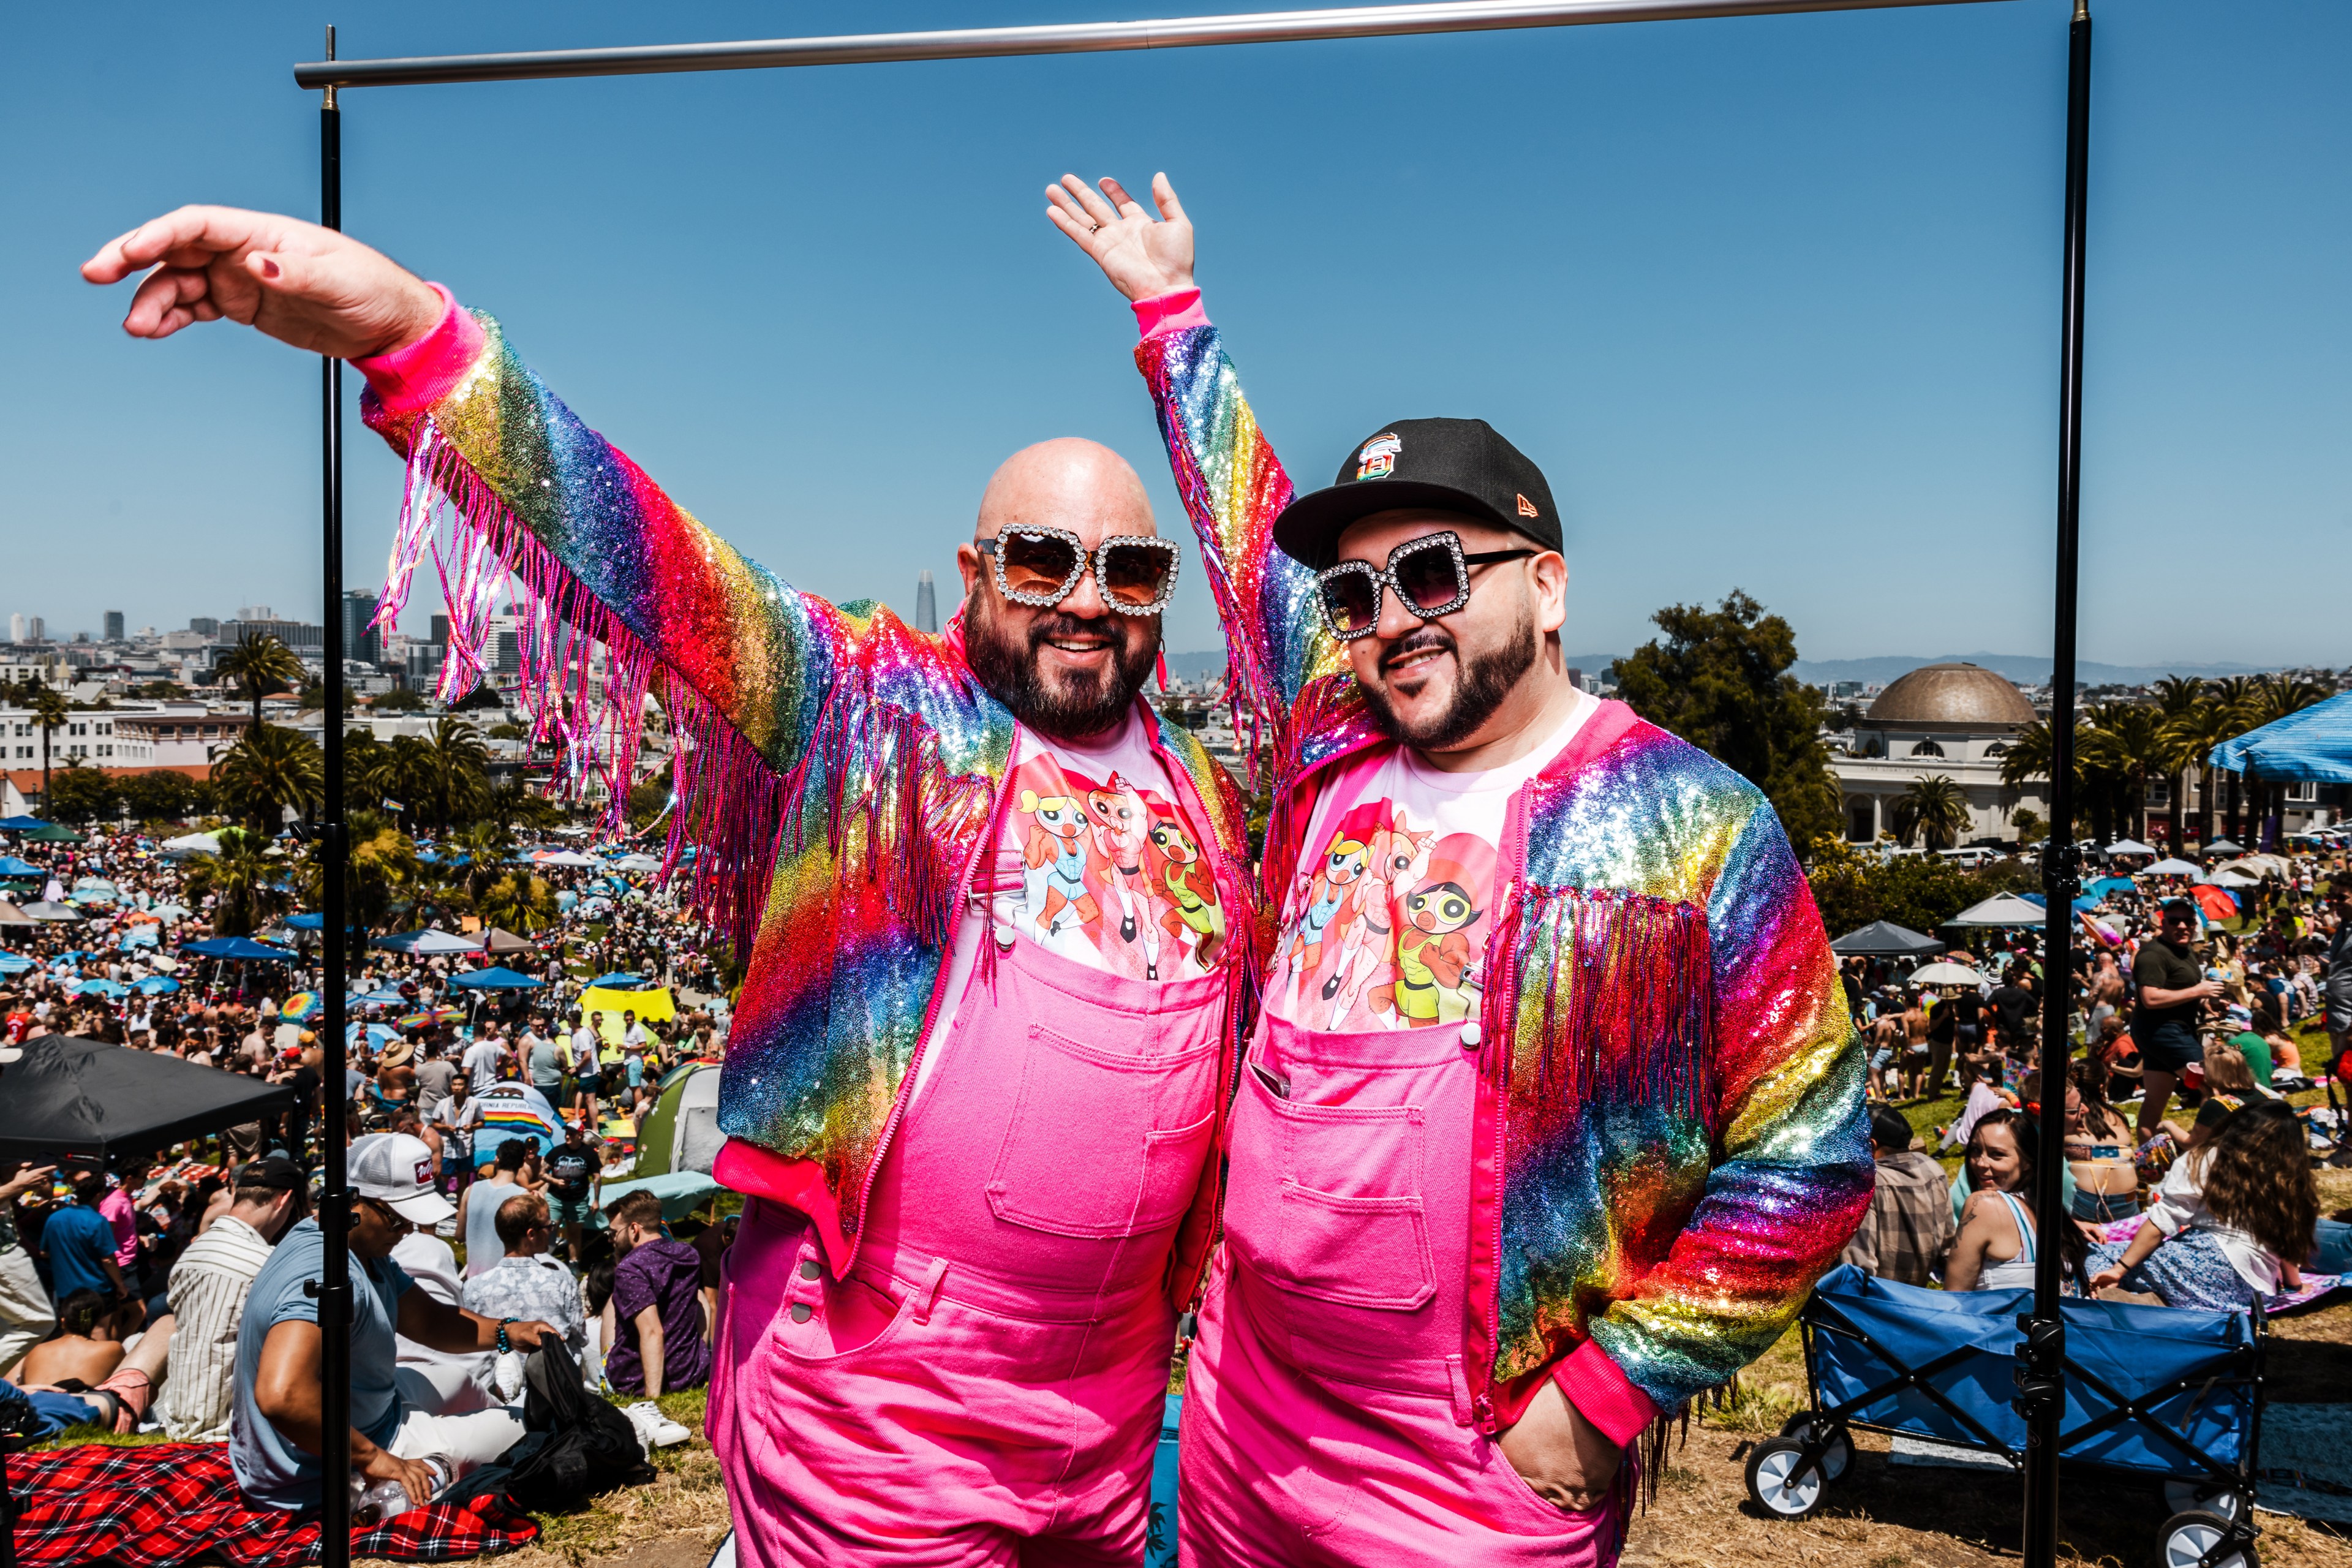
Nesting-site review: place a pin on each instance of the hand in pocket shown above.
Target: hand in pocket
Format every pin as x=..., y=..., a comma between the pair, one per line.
x=1563, y=1458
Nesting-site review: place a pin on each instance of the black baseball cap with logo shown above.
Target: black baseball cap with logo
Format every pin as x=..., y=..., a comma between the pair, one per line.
x=1448, y=465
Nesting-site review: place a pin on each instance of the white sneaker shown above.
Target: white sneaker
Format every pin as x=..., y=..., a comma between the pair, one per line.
x=655, y=1430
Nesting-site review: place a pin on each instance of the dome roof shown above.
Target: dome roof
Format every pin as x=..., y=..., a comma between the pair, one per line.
x=1963, y=695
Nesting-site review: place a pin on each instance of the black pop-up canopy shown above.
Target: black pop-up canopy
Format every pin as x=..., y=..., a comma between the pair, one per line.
x=85, y=1100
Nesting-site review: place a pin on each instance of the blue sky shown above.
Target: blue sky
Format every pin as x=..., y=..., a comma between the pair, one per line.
x=1773, y=301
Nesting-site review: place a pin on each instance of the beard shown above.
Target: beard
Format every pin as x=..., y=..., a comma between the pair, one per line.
x=1072, y=704
x=1486, y=679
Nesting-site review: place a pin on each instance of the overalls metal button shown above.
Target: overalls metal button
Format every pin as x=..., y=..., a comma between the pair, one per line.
x=810, y=1268
x=801, y=1312
x=1470, y=1035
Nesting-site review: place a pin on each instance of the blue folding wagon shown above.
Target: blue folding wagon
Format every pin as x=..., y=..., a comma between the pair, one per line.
x=2170, y=1395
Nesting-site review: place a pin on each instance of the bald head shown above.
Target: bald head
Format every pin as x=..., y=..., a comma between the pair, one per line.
x=1068, y=482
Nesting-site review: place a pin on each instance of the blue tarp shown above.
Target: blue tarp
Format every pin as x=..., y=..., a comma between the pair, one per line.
x=2099, y=887
x=2313, y=745
x=10, y=866
x=2133, y=1350
x=2041, y=901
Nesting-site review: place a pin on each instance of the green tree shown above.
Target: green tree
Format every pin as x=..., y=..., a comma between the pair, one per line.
x=2240, y=697
x=81, y=794
x=1854, y=888
x=518, y=901
x=459, y=770
x=399, y=699
x=648, y=798
x=2125, y=745
x=2177, y=697
x=1719, y=680
x=2195, y=732
x=1934, y=807
x=2031, y=828
x=163, y=796
x=268, y=771
x=259, y=665
x=519, y=809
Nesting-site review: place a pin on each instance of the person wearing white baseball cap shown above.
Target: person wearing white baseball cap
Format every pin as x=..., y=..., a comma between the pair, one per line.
x=275, y=1435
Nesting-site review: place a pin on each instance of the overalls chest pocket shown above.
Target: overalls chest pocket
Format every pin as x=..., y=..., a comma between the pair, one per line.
x=1102, y=1143
x=1342, y=1218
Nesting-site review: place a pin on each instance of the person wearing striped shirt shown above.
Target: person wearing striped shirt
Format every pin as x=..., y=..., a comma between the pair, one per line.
x=208, y=1288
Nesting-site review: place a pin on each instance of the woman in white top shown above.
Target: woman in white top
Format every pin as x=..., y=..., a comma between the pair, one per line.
x=2233, y=1222
x=1998, y=1243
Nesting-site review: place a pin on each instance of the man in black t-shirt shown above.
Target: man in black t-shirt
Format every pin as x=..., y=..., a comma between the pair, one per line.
x=571, y=1171
x=2172, y=988
x=2013, y=1007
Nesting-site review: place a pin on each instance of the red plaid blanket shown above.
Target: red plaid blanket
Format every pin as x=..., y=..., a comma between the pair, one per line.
x=161, y=1506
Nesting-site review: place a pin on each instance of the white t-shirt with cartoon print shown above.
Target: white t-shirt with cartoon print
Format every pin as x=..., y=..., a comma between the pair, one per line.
x=1099, y=863
x=1384, y=926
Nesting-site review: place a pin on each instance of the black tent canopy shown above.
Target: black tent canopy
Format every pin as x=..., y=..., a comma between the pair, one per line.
x=86, y=1102
x=1884, y=939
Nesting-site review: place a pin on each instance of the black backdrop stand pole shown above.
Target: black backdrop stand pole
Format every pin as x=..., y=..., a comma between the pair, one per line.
x=2041, y=1374
x=335, y=1205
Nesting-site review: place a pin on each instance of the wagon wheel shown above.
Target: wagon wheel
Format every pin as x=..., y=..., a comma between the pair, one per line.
x=2207, y=1497
x=2201, y=1540
x=1837, y=1444
x=1784, y=1482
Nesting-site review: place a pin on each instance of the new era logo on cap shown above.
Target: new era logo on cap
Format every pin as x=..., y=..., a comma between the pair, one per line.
x=1444, y=465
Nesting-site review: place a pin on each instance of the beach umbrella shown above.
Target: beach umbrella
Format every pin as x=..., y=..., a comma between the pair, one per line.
x=2172, y=865
x=619, y=979
x=1946, y=972
x=299, y=1009
x=386, y=997
x=156, y=985
x=14, y=963
x=430, y=1017
x=100, y=988
x=1878, y=939
x=240, y=948
x=2001, y=910
x=139, y=936
x=517, y=1110
x=10, y=915
x=10, y=866
x=639, y=863
x=2219, y=903
x=46, y=910
x=570, y=858
x=191, y=844
x=170, y=912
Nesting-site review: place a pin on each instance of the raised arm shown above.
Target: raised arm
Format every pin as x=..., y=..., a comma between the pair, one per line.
x=1232, y=484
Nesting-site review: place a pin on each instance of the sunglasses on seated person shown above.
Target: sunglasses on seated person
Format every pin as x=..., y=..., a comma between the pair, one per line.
x=1430, y=577
x=1135, y=574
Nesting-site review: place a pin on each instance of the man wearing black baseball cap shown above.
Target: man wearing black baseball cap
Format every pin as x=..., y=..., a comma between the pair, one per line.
x=1554, y=1110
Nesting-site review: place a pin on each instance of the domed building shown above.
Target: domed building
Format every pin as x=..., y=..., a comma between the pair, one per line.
x=1956, y=720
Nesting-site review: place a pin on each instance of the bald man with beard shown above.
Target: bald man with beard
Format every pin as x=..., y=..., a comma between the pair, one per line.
x=974, y=1080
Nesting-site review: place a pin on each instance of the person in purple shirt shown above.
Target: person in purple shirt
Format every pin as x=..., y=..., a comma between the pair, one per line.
x=656, y=1304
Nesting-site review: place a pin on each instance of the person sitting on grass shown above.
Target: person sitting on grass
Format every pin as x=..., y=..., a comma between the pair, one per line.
x=207, y=1291
x=656, y=1343
x=1909, y=1228
x=277, y=1432
x=2098, y=1146
x=1999, y=1237
x=529, y=1281
x=2233, y=1222
x=88, y=1359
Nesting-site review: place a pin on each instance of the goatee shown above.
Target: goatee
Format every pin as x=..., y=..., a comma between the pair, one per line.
x=1479, y=690
x=1077, y=704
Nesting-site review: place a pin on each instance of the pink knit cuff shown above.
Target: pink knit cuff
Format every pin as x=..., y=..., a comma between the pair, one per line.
x=412, y=379
x=1602, y=1393
x=1173, y=312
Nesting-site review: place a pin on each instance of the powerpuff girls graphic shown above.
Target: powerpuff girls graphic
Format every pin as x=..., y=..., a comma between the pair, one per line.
x=1111, y=875
x=1387, y=925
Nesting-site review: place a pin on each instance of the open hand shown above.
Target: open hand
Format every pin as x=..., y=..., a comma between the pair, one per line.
x=2107, y=1277
x=304, y=285
x=1142, y=256
x=1563, y=1458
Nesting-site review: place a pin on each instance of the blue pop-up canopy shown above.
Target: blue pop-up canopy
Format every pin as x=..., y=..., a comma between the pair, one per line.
x=494, y=979
x=10, y=866
x=2311, y=746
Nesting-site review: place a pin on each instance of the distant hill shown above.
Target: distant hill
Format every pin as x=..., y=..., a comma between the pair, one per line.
x=1209, y=665
x=2026, y=670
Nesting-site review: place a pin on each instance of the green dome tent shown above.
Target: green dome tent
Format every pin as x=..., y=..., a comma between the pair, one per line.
x=681, y=1131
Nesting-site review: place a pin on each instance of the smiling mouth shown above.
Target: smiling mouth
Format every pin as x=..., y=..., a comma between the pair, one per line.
x=1408, y=662
x=1077, y=647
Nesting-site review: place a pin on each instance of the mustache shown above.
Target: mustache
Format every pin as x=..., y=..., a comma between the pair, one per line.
x=1062, y=624
x=1418, y=640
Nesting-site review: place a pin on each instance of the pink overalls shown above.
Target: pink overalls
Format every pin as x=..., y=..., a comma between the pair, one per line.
x=1327, y=1415
x=984, y=1386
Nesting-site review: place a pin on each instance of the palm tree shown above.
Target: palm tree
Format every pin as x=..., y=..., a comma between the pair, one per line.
x=460, y=777
x=2176, y=697
x=2127, y=742
x=2237, y=693
x=2211, y=721
x=517, y=901
x=239, y=877
x=1933, y=807
x=261, y=665
x=269, y=770
x=49, y=710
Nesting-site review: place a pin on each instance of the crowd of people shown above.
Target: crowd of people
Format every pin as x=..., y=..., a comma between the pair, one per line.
x=165, y=1292
x=2213, y=1207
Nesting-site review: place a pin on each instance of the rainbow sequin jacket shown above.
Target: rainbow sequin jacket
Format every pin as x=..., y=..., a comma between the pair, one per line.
x=834, y=774
x=1671, y=1137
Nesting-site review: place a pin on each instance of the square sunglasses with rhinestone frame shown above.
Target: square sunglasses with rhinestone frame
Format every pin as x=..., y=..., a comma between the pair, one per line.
x=1331, y=578
x=1081, y=561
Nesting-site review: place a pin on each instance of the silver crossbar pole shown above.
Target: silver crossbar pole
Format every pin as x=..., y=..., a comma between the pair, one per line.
x=1070, y=39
